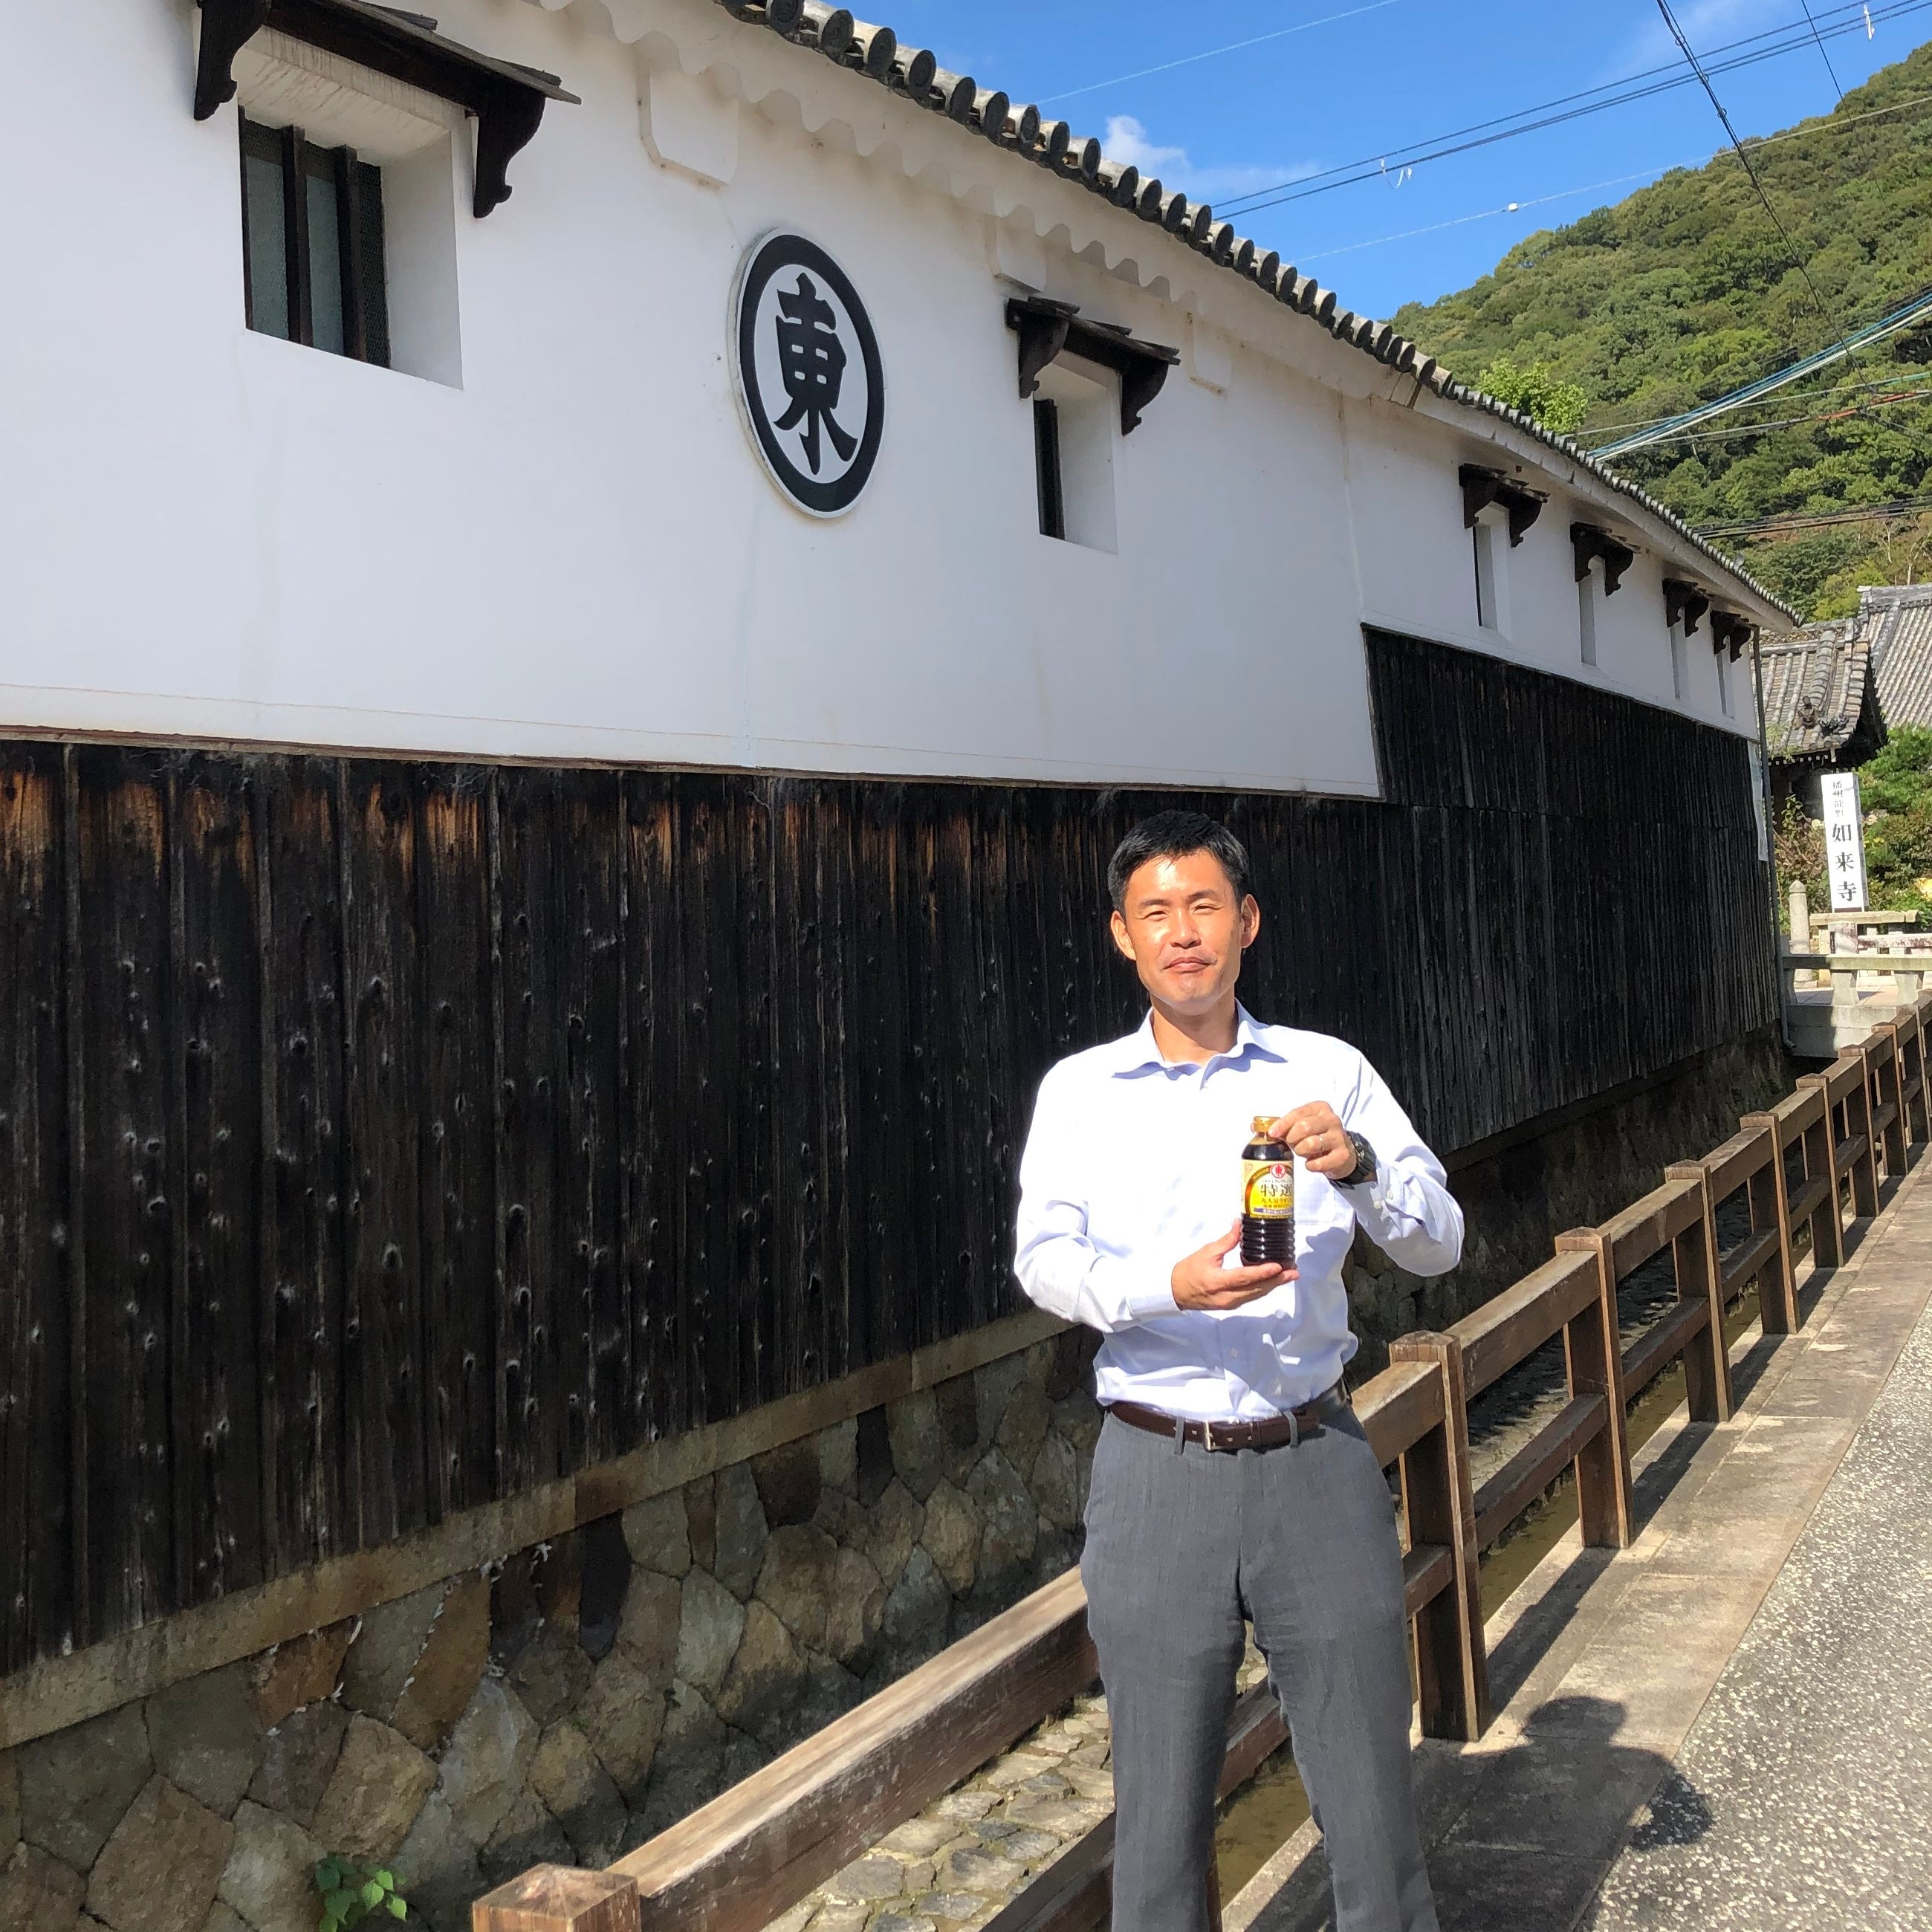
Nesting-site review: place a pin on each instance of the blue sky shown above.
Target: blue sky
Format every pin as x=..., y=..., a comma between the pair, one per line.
x=1351, y=81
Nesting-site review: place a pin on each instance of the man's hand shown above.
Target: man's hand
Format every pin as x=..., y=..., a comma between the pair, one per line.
x=1317, y=1136
x=1200, y=1281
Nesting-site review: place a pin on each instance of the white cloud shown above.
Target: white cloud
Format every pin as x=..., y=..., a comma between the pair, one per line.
x=1127, y=143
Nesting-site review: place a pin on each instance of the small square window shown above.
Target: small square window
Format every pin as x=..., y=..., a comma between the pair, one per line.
x=313, y=243
x=1075, y=423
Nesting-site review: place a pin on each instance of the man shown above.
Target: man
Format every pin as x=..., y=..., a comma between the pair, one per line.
x=1232, y=1478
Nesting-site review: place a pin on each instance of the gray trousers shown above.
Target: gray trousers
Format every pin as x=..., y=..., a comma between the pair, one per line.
x=1302, y=1540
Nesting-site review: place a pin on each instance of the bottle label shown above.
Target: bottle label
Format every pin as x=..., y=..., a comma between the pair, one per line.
x=1268, y=1189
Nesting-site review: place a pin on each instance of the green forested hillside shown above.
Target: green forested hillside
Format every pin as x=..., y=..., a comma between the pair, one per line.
x=1684, y=291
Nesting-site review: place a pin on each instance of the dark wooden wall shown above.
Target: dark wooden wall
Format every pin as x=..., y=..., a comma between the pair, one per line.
x=377, y=1137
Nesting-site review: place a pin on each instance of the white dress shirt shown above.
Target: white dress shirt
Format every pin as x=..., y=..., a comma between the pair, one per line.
x=1133, y=1162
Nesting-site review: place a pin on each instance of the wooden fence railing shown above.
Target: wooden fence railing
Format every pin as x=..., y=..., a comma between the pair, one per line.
x=739, y=1861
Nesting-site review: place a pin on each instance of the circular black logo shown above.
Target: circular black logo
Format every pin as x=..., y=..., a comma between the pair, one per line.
x=808, y=372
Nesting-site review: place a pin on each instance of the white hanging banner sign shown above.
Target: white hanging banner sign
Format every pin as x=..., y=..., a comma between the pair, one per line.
x=1845, y=841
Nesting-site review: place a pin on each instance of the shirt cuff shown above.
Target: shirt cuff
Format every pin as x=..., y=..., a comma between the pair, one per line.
x=1150, y=1299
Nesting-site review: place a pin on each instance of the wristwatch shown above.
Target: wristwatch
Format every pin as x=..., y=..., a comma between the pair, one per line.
x=1365, y=1168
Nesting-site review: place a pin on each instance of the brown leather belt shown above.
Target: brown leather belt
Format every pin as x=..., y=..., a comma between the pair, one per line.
x=1274, y=1432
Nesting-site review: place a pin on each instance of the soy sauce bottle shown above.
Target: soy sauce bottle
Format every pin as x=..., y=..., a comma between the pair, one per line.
x=1267, y=1199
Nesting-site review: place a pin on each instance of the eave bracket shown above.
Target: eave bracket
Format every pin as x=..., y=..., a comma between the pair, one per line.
x=1482, y=487
x=1049, y=329
x=1592, y=545
x=507, y=100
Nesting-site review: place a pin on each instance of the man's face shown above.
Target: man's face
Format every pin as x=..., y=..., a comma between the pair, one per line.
x=1185, y=930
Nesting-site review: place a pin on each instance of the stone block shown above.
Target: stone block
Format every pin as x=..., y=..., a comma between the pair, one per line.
x=960, y=1905
x=993, y=1387
x=385, y=1650
x=711, y=1622
x=622, y=1714
x=841, y=1915
x=1023, y=1426
x=38, y=1893
x=873, y=1877
x=373, y=1795
x=952, y=1402
x=919, y=1837
x=837, y=1449
x=658, y=1534
x=788, y=1483
x=652, y=1625
x=76, y=1784
x=796, y=1582
x=874, y=1446
x=578, y=1792
x=301, y=1672
x=964, y=1807
x=551, y=1673
x=488, y=1758
x=159, y=1870
x=205, y=1736
x=559, y=1579
x=269, y=1879
x=918, y=1444
x=526, y=1835
x=700, y=1517
x=9, y=1803
x=436, y=1869
x=741, y=1531
x=857, y=1610
x=516, y=1605
x=842, y=1518
x=1055, y=1482
x=951, y=1536
x=766, y=1678
x=1009, y=1522
x=1077, y=1417
x=603, y=1565
x=223, y=1918
x=974, y=1868
x=914, y=1624
x=900, y=1921
x=896, y=1522
x=698, y=1756
x=297, y=1758
x=447, y=1673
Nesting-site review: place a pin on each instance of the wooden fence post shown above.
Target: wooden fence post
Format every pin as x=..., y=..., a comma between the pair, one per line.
x=1770, y=1208
x=1886, y=1098
x=1821, y=1159
x=1912, y=1097
x=558, y=1898
x=1439, y=1496
x=1707, y=1371
x=1594, y=1358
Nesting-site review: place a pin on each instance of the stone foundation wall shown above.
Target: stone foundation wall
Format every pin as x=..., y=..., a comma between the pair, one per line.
x=569, y=1701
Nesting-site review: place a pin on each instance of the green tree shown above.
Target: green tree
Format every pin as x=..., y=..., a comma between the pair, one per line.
x=1537, y=391
x=1684, y=290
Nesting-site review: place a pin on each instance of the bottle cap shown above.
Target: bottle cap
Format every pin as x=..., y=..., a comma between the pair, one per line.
x=1262, y=1122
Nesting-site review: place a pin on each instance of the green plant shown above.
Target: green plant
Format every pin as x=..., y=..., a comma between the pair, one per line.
x=349, y=1894
x=1798, y=843
x=1538, y=390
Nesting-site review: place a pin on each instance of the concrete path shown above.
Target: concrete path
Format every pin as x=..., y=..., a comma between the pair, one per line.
x=1730, y=1718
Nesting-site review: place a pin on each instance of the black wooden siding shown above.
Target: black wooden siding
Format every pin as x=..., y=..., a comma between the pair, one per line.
x=378, y=1138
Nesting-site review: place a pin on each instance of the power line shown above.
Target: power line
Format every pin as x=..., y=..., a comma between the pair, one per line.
x=1917, y=395
x=1790, y=248
x=1837, y=88
x=1824, y=395
x=1214, y=53
x=1806, y=520
x=1833, y=123
x=1746, y=51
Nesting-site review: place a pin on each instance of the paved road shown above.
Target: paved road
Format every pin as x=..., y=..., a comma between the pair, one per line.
x=1729, y=1724
x=1802, y=1799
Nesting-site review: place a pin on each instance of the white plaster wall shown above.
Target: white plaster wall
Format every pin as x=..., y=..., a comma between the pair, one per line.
x=577, y=554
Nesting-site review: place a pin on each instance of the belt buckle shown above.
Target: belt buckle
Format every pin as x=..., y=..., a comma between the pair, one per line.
x=1294, y=1430
x=1207, y=1437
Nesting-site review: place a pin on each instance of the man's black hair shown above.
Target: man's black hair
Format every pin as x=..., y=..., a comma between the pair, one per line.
x=1173, y=835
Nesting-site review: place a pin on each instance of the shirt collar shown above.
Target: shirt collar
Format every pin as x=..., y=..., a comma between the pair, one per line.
x=1137, y=1053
